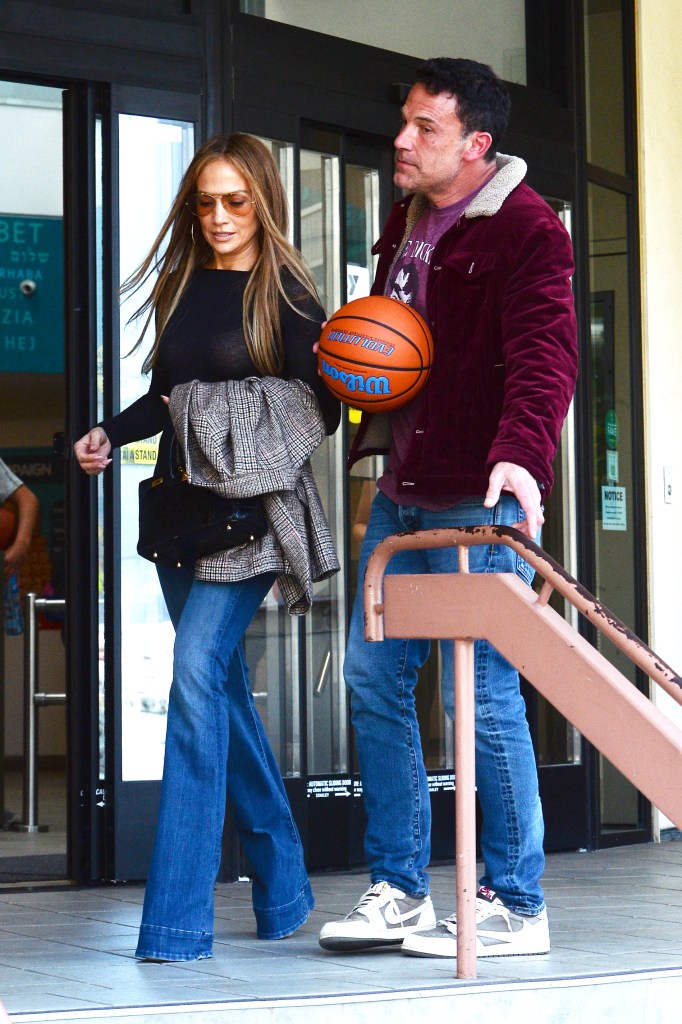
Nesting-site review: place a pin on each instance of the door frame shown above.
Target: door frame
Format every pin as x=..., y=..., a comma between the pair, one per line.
x=86, y=812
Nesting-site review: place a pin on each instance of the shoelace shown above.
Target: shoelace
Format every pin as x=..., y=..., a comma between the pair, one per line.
x=483, y=912
x=368, y=897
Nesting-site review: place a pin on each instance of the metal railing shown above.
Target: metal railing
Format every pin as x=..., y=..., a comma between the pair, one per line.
x=560, y=663
x=32, y=701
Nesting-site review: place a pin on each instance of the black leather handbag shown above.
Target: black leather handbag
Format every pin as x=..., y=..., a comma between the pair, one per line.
x=180, y=522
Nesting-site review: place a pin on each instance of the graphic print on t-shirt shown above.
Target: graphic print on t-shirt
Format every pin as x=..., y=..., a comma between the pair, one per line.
x=406, y=284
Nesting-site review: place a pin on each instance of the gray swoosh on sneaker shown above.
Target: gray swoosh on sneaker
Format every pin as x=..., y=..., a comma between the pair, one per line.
x=395, y=919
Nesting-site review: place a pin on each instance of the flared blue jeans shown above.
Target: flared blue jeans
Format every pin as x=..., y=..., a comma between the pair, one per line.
x=216, y=744
x=382, y=679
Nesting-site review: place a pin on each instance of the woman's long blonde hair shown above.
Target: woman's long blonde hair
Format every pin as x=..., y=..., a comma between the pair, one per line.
x=184, y=253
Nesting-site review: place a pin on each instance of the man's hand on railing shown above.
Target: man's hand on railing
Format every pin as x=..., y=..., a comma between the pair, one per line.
x=507, y=476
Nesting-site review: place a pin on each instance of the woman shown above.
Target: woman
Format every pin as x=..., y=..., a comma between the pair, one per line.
x=233, y=301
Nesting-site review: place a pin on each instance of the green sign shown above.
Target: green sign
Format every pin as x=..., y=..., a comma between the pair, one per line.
x=611, y=428
x=31, y=294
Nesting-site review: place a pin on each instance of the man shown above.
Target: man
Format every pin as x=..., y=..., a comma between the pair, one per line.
x=488, y=264
x=25, y=507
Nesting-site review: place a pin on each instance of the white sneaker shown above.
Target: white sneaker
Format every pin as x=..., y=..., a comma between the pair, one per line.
x=383, y=917
x=499, y=932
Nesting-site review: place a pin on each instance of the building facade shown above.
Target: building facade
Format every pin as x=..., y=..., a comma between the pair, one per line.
x=101, y=106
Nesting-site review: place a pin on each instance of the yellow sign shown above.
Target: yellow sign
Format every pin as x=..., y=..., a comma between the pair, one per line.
x=141, y=453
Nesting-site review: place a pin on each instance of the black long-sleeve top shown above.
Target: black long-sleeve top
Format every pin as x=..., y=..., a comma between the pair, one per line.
x=204, y=340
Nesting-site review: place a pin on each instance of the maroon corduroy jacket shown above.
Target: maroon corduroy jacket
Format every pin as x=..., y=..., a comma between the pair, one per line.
x=500, y=307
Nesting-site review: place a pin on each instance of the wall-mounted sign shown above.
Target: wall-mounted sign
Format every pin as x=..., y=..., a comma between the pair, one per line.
x=31, y=294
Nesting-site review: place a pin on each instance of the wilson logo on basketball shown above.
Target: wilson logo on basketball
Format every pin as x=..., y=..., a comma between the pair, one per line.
x=375, y=353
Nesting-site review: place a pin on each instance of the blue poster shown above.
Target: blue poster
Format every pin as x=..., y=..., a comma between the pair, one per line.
x=31, y=294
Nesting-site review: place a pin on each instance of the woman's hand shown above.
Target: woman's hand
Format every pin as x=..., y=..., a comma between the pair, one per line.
x=92, y=451
x=317, y=343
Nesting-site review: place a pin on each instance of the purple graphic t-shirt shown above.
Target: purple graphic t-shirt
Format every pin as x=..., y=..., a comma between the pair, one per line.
x=408, y=283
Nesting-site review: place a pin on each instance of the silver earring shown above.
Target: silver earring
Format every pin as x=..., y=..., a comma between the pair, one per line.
x=194, y=241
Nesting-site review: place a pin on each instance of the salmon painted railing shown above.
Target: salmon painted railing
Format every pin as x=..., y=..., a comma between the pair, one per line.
x=621, y=722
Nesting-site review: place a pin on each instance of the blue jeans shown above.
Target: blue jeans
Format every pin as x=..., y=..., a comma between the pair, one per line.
x=215, y=743
x=382, y=679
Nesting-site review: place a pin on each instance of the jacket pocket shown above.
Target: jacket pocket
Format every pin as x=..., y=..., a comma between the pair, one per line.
x=471, y=266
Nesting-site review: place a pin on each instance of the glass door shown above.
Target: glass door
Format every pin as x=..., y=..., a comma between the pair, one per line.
x=562, y=770
x=623, y=812
x=153, y=153
x=341, y=214
x=152, y=142
x=32, y=411
x=344, y=193
x=615, y=399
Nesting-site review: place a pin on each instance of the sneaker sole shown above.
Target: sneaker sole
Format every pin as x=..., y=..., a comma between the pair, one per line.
x=482, y=956
x=346, y=944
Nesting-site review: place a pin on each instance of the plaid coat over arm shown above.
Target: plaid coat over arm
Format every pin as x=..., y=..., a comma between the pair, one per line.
x=255, y=437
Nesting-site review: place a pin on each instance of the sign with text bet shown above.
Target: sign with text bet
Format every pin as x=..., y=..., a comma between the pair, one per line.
x=31, y=294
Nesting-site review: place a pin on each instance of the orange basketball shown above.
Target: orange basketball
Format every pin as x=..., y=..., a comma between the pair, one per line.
x=375, y=353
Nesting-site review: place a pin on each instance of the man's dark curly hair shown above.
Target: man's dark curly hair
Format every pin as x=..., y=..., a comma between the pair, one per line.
x=483, y=101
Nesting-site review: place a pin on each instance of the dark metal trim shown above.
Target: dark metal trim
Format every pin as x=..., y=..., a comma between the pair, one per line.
x=610, y=179
x=84, y=853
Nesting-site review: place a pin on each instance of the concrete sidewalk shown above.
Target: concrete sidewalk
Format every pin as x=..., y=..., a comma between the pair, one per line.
x=615, y=917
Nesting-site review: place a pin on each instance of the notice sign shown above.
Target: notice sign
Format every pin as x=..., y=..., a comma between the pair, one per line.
x=613, y=508
x=31, y=294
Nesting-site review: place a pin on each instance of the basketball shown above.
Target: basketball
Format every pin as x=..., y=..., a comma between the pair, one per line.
x=375, y=353
x=8, y=526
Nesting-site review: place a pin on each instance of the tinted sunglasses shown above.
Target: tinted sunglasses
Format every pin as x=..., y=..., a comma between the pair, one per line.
x=238, y=204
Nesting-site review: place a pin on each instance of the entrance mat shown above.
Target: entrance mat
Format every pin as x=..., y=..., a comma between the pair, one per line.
x=46, y=866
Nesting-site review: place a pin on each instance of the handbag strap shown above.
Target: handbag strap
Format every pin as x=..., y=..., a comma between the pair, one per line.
x=175, y=469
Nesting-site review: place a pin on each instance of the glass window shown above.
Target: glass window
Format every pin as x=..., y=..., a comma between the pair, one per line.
x=362, y=228
x=32, y=410
x=153, y=154
x=611, y=403
x=494, y=32
x=558, y=741
x=613, y=456
x=271, y=645
x=283, y=155
x=611, y=341
x=325, y=627
x=321, y=223
x=605, y=106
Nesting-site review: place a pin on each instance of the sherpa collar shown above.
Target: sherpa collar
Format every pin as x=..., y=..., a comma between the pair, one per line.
x=511, y=170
